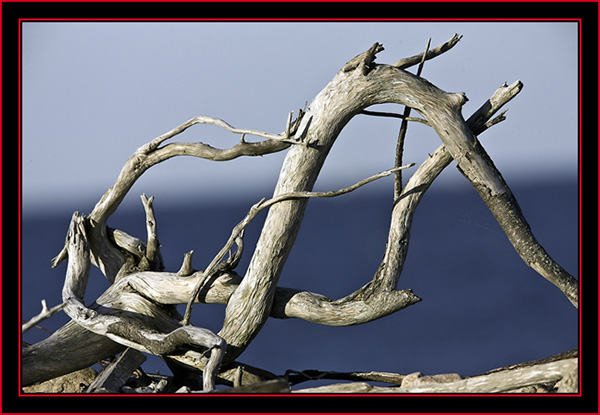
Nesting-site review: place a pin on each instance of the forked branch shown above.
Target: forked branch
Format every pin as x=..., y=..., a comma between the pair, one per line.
x=43, y=315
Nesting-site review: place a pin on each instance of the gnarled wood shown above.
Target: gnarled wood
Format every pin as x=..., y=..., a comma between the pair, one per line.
x=136, y=310
x=126, y=316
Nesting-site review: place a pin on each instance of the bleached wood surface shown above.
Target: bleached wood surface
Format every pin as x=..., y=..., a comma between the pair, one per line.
x=499, y=382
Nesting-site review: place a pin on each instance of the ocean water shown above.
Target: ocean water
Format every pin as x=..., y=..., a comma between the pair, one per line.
x=482, y=307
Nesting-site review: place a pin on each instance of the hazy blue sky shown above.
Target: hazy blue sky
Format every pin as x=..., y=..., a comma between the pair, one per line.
x=94, y=92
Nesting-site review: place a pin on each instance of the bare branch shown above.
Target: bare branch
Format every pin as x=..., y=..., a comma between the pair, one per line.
x=152, y=255
x=348, y=93
x=150, y=154
x=432, y=53
x=402, y=132
x=499, y=382
x=414, y=190
x=104, y=254
x=116, y=373
x=290, y=130
x=295, y=377
x=43, y=315
x=393, y=115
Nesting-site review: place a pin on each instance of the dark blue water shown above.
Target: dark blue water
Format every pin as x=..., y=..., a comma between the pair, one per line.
x=482, y=306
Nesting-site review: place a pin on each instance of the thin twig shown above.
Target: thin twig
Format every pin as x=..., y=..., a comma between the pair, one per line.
x=393, y=115
x=402, y=133
x=43, y=315
x=285, y=136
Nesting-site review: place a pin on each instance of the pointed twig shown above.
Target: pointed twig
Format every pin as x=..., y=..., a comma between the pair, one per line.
x=393, y=115
x=414, y=60
x=153, y=255
x=43, y=315
x=402, y=133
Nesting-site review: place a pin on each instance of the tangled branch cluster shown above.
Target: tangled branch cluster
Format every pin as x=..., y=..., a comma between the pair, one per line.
x=137, y=309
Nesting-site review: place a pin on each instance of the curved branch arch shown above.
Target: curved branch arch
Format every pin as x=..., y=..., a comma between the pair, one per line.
x=359, y=84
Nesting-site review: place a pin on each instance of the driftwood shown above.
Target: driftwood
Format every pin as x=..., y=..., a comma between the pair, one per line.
x=114, y=376
x=560, y=376
x=137, y=310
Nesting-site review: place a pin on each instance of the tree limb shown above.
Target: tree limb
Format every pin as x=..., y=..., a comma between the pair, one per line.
x=497, y=382
x=403, y=130
x=104, y=254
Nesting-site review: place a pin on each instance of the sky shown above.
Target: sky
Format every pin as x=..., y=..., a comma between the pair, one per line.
x=93, y=92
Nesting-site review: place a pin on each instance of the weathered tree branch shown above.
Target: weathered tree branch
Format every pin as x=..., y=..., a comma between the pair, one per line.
x=315, y=307
x=68, y=349
x=104, y=254
x=295, y=303
x=152, y=255
x=497, y=382
x=151, y=154
x=403, y=130
x=406, y=63
x=116, y=374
